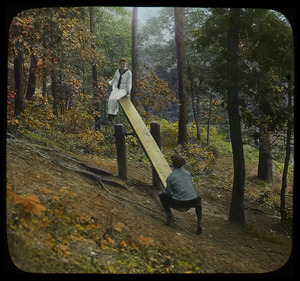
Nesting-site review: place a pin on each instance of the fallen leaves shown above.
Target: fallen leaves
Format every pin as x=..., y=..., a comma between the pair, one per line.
x=77, y=237
x=119, y=226
x=123, y=245
x=30, y=203
x=46, y=190
x=109, y=240
x=145, y=241
x=102, y=245
x=61, y=247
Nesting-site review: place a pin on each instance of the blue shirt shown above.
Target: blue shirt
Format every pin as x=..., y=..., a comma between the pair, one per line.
x=179, y=185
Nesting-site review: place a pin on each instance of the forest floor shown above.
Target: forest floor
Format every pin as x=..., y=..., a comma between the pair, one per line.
x=116, y=226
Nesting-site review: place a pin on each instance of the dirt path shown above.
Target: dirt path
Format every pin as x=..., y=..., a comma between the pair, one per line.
x=79, y=211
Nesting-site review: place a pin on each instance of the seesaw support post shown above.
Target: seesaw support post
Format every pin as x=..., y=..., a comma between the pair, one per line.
x=120, y=132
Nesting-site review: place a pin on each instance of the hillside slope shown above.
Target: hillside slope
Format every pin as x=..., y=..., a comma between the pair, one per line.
x=106, y=225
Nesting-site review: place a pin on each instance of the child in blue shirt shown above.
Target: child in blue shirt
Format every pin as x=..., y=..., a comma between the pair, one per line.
x=180, y=193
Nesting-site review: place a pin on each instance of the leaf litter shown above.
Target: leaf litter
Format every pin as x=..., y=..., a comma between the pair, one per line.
x=74, y=227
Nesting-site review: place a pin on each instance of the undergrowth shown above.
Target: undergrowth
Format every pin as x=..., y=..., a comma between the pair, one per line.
x=61, y=230
x=73, y=130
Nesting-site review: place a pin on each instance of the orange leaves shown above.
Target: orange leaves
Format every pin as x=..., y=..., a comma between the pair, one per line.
x=109, y=240
x=123, y=245
x=119, y=226
x=46, y=190
x=143, y=240
x=55, y=198
x=75, y=84
x=77, y=237
x=102, y=245
x=30, y=203
x=152, y=91
x=146, y=241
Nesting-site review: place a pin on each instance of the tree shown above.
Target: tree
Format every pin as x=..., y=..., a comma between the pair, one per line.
x=236, y=213
x=19, y=83
x=267, y=50
x=134, y=51
x=94, y=77
x=265, y=167
x=289, y=131
x=32, y=77
x=53, y=68
x=195, y=113
x=22, y=36
x=179, y=39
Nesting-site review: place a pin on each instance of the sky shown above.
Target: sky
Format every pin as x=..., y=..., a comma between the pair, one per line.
x=145, y=12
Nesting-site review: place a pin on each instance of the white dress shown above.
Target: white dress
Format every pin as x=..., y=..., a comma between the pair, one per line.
x=116, y=94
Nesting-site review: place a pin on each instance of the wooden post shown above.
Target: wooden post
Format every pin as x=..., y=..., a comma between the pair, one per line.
x=155, y=132
x=121, y=150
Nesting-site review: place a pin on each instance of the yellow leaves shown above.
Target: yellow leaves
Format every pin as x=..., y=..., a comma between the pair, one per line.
x=127, y=246
x=64, y=195
x=133, y=143
x=84, y=219
x=49, y=241
x=55, y=198
x=152, y=91
x=62, y=248
x=135, y=247
x=74, y=83
x=77, y=237
x=123, y=245
x=63, y=189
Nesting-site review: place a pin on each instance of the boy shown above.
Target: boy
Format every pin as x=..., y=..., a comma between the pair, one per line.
x=121, y=85
x=180, y=193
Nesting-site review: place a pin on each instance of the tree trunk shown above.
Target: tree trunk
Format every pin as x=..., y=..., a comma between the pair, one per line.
x=53, y=74
x=265, y=167
x=283, y=213
x=54, y=93
x=134, y=52
x=31, y=80
x=19, y=84
x=208, y=120
x=96, y=96
x=44, y=82
x=179, y=40
x=236, y=214
x=193, y=104
x=195, y=115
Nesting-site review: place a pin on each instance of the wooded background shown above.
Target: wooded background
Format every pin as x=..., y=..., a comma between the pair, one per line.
x=228, y=70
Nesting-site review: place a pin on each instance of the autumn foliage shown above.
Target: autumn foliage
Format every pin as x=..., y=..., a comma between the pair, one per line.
x=29, y=203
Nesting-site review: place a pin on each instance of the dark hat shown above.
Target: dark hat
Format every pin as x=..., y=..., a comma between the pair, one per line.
x=178, y=161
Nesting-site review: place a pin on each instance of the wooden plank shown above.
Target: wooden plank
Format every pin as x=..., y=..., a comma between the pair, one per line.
x=147, y=141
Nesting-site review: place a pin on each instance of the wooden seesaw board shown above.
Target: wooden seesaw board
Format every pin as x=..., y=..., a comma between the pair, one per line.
x=148, y=143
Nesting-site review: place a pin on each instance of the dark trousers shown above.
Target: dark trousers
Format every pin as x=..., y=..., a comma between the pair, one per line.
x=168, y=202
